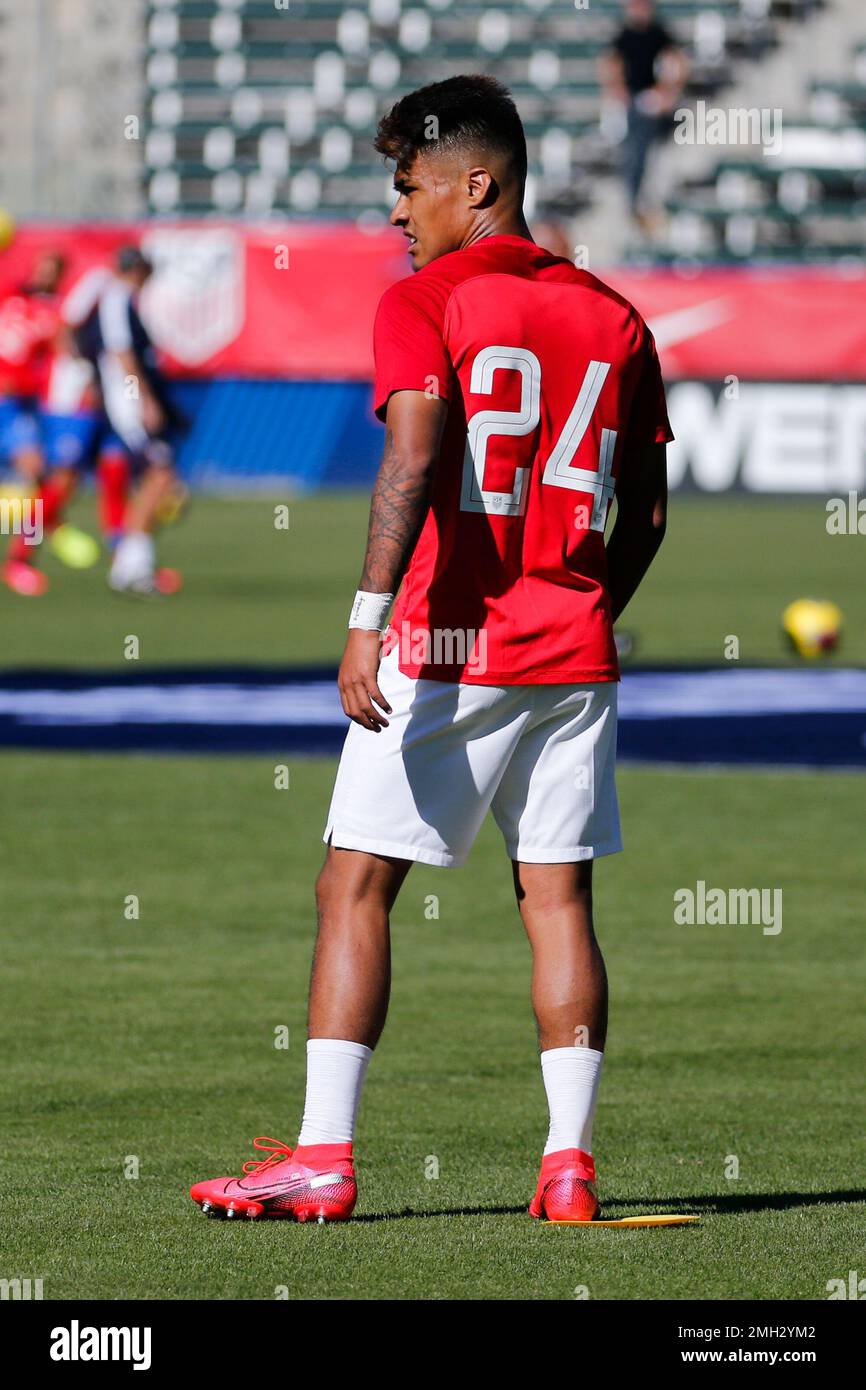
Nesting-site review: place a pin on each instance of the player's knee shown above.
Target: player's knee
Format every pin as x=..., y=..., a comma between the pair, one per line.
x=556, y=905
x=349, y=884
x=549, y=891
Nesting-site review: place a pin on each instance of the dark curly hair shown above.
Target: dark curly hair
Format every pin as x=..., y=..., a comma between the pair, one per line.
x=472, y=111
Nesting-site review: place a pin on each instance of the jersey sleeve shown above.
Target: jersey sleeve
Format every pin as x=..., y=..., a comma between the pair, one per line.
x=649, y=415
x=81, y=299
x=408, y=346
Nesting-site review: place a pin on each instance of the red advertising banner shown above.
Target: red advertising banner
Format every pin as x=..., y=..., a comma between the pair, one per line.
x=296, y=301
x=769, y=324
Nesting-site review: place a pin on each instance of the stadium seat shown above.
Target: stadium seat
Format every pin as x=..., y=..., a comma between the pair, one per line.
x=256, y=106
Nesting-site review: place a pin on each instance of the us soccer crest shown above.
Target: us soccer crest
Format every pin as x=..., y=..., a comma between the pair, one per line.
x=194, y=303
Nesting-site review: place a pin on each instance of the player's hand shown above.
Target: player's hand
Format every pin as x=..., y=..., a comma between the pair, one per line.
x=152, y=415
x=650, y=102
x=358, y=680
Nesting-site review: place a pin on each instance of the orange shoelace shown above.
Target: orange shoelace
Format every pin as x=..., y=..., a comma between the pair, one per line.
x=276, y=1150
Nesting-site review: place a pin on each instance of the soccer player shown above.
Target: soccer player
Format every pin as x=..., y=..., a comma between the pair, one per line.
x=77, y=384
x=28, y=328
x=113, y=472
x=518, y=393
x=44, y=448
x=140, y=416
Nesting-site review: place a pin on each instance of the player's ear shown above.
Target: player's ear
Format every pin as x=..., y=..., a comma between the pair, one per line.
x=481, y=187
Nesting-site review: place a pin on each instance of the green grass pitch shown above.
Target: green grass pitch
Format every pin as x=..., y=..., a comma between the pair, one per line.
x=257, y=594
x=139, y=1053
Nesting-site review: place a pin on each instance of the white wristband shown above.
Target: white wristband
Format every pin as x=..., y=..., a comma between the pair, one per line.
x=369, y=611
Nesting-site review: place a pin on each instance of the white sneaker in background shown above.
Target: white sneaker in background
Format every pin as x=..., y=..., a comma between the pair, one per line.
x=132, y=569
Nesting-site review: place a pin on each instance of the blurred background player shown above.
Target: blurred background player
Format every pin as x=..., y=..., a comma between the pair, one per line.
x=140, y=418
x=77, y=378
x=44, y=445
x=113, y=472
x=28, y=327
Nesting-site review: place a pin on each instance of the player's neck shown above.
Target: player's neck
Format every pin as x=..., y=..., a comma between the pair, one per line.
x=506, y=226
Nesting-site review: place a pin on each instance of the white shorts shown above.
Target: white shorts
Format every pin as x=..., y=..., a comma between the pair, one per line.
x=541, y=756
x=124, y=414
x=122, y=409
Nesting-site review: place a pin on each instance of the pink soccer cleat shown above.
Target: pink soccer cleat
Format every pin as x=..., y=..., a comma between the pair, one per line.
x=315, y=1182
x=24, y=579
x=566, y=1187
x=167, y=581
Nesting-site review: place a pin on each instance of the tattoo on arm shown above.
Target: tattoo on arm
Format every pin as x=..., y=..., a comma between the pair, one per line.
x=397, y=513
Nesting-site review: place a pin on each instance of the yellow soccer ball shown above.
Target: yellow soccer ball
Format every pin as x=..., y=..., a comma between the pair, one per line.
x=812, y=626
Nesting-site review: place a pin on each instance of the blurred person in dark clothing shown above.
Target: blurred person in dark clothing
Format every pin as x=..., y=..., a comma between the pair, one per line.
x=645, y=71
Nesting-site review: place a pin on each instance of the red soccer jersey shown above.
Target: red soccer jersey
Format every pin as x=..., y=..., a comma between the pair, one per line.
x=28, y=327
x=551, y=379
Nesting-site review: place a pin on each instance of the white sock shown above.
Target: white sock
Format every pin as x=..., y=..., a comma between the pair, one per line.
x=134, y=558
x=571, y=1076
x=335, y=1075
